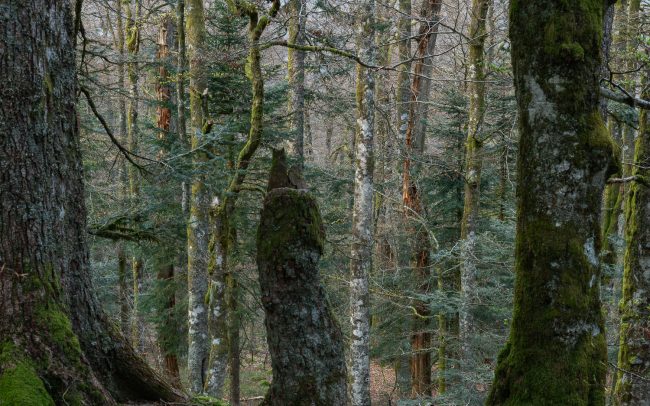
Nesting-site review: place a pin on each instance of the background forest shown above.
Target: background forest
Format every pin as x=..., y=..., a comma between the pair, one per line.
x=400, y=118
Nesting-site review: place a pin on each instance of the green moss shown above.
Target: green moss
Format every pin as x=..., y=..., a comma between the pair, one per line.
x=291, y=217
x=19, y=383
x=57, y=323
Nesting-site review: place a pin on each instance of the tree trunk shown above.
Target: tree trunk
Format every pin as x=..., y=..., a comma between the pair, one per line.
x=296, y=76
x=166, y=124
x=362, y=221
x=198, y=223
x=223, y=210
x=403, y=95
x=633, y=377
x=56, y=345
x=420, y=363
x=556, y=353
x=473, y=164
x=181, y=66
x=305, y=341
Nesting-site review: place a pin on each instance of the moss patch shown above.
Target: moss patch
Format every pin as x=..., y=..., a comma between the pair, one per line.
x=60, y=331
x=19, y=383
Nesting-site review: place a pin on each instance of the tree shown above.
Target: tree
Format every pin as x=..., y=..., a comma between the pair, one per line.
x=633, y=378
x=556, y=353
x=56, y=344
x=296, y=76
x=305, y=340
x=198, y=233
x=473, y=165
x=222, y=211
x=420, y=363
x=362, y=214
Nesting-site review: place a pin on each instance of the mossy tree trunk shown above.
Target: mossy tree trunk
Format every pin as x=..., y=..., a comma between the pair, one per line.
x=362, y=211
x=633, y=376
x=305, y=341
x=56, y=345
x=556, y=352
x=223, y=283
x=198, y=234
x=473, y=165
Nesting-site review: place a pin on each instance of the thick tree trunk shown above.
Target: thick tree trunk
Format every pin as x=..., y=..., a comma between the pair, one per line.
x=305, y=341
x=556, y=353
x=362, y=221
x=473, y=164
x=56, y=345
x=198, y=233
x=633, y=377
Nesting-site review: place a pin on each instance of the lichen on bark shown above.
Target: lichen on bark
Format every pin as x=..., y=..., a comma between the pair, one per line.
x=633, y=374
x=556, y=353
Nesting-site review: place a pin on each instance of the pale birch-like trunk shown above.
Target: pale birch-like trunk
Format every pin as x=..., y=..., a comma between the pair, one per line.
x=222, y=281
x=362, y=221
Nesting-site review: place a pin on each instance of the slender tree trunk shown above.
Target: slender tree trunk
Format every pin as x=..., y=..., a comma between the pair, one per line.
x=123, y=289
x=420, y=363
x=404, y=69
x=633, y=376
x=296, y=76
x=224, y=208
x=132, y=33
x=473, y=164
x=556, y=353
x=198, y=223
x=167, y=125
x=181, y=66
x=362, y=221
x=57, y=346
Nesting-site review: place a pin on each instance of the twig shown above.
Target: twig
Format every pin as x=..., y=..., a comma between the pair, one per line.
x=127, y=154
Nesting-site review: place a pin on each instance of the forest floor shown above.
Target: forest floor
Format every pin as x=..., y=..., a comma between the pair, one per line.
x=255, y=381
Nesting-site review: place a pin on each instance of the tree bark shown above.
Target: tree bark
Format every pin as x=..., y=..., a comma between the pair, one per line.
x=305, y=341
x=222, y=211
x=56, y=345
x=167, y=125
x=362, y=221
x=556, y=352
x=198, y=223
x=296, y=76
x=633, y=376
x=473, y=165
